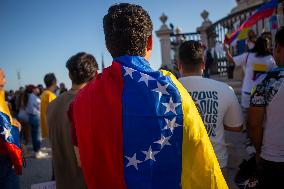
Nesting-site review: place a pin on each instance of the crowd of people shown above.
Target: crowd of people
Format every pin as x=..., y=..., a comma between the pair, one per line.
x=133, y=127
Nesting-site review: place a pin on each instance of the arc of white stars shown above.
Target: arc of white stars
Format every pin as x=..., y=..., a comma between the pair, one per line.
x=161, y=89
x=129, y=71
x=6, y=133
x=145, y=78
x=171, y=106
x=164, y=141
x=132, y=161
x=150, y=154
x=171, y=124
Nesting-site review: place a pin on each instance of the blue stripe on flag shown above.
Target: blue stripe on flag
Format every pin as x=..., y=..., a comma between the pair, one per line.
x=8, y=132
x=152, y=127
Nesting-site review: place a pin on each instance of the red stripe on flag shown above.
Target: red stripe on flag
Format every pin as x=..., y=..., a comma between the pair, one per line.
x=250, y=22
x=258, y=16
x=97, y=116
x=14, y=153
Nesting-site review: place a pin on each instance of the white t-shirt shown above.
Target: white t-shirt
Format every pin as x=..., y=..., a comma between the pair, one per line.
x=255, y=71
x=269, y=94
x=33, y=106
x=218, y=106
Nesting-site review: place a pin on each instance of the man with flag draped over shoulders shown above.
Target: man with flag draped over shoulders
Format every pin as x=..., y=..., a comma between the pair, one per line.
x=135, y=127
x=10, y=152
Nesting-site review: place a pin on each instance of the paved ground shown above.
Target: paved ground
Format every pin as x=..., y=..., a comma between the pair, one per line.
x=37, y=171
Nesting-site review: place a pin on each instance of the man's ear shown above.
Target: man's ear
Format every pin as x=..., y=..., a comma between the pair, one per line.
x=150, y=43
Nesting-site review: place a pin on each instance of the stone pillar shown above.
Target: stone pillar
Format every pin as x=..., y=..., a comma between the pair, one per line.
x=208, y=38
x=164, y=34
x=203, y=29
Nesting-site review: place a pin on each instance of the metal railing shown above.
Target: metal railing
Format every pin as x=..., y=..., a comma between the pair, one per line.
x=216, y=34
x=177, y=39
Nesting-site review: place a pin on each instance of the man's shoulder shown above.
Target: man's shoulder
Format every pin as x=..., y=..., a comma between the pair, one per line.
x=276, y=73
x=102, y=81
x=46, y=94
x=208, y=83
x=59, y=102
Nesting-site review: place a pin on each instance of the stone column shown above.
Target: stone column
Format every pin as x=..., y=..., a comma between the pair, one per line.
x=208, y=38
x=164, y=34
x=203, y=29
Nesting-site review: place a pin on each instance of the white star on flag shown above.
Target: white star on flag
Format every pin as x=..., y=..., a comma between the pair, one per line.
x=128, y=71
x=164, y=141
x=6, y=133
x=171, y=106
x=150, y=154
x=161, y=89
x=132, y=161
x=171, y=124
x=145, y=78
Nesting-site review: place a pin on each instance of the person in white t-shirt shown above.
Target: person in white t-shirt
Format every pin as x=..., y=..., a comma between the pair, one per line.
x=216, y=101
x=266, y=123
x=256, y=63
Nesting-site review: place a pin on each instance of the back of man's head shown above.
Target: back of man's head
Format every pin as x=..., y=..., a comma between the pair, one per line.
x=49, y=80
x=127, y=28
x=82, y=67
x=191, y=56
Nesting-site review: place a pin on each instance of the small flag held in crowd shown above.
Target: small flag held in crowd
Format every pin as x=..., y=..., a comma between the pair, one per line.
x=266, y=10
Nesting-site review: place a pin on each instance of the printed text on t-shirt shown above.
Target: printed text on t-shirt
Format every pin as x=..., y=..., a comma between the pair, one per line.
x=207, y=105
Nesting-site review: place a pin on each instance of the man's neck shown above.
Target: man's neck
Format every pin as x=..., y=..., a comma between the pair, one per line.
x=76, y=87
x=199, y=73
x=51, y=89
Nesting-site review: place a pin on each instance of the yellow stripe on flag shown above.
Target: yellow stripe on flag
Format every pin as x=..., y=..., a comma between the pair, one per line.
x=260, y=67
x=200, y=168
x=4, y=107
x=243, y=34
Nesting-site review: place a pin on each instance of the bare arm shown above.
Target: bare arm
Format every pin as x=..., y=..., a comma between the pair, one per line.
x=254, y=126
x=228, y=55
x=76, y=149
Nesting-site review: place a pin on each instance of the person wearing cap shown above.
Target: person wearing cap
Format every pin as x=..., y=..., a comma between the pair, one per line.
x=33, y=110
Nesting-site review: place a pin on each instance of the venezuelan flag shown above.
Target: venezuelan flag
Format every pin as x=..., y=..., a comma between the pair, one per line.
x=264, y=11
x=139, y=129
x=9, y=136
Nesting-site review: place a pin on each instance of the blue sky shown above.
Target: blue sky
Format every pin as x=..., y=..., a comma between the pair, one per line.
x=38, y=36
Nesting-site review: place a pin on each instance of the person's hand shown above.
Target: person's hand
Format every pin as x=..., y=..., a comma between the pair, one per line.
x=225, y=48
x=17, y=123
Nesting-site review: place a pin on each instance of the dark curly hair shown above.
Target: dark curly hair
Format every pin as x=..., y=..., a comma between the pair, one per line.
x=82, y=67
x=49, y=79
x=127, y=28
x=191, y=54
